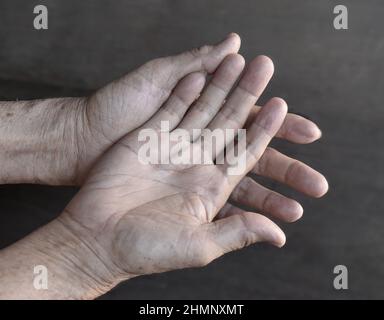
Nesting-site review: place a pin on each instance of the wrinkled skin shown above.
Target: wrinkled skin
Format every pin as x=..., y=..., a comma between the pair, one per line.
x=153, y=218
x=129, y=218
x=129, y=102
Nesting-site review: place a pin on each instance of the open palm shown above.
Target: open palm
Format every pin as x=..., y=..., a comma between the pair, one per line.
x=152, y=218
x=127, y=103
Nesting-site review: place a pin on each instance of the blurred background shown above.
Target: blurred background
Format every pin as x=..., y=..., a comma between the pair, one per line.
x=334, y=77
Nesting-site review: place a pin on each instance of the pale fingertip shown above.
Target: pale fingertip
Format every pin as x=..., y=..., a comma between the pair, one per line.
x=292, y=211
x=321, y=187
x=190, y=87
x=305, y=132
x=235, y=37
x=257, y=75
x=273, y=233
x=213, y=56
x=234, y=61
x=313, y=133
x=279, y=102
x=268, y=230
x=232, y=41
x=264, y=63
x=278, y=109
x=279, y=239
x=199, y=79
x=318, y=134
x=196, y=78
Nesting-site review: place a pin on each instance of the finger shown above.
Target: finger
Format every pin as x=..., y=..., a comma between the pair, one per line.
x=240, y=229
x=234, y=113
x=253, y=195
x=252, y=145
x=292, y=172
x=151, y=84
x=174, y=68
x=207, y=57
x=212, y=99
x=295, y=128
x=184, y=94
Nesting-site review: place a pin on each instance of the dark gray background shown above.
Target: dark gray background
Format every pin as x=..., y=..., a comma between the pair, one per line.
x=333, y=77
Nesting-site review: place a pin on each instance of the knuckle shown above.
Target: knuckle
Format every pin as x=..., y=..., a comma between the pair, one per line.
x=290, y=172
x=244, y=189
x=267, y=202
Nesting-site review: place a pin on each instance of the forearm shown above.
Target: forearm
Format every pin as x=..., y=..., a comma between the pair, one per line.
x=38, y=140
x=75, y=267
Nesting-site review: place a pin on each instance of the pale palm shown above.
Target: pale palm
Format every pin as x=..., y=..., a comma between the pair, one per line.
x=152, y=218
x=127, y=103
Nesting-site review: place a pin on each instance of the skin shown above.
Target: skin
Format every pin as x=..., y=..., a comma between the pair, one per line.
x=131, y=219
x=57, y=141
x=60, y=139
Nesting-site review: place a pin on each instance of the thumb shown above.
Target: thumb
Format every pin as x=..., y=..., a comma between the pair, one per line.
x=240, y=229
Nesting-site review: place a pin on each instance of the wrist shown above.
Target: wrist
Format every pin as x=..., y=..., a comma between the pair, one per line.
x=39, y=141
x=78, y=260
x=74, y=263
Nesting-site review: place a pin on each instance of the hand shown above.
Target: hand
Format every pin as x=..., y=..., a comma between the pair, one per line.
x=142, y=218
x=127, y=103
x=56, y=141
x=106, y=236
x=283, y=169
x=63, y=138
x=119, y=105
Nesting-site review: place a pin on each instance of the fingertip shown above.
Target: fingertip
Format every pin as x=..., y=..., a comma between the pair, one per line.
x=280, y=104
x=313, y=132
x=198, y=79
x=271, y=116
x=263, y=63
x=190, y=87
x=280, y=239
x=321, y=188
x=257, y=75
x=197, y=82
x=294, y=211
x=228, y=71
x=277, y=109
x=316, y=132
x=238, y=59
x=235, y=39
x=230, y=44
x=215, y=55
x=298, y=129
x=273, y=234
x=266, y=229
x=234, y=61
